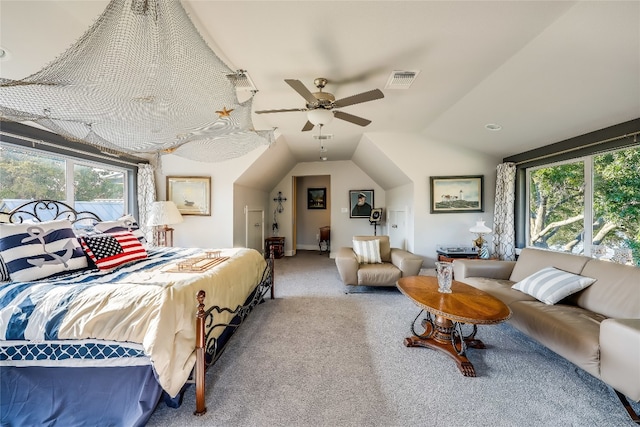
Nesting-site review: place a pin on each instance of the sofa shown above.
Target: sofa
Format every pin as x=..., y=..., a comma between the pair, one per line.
x=596, y=328
x=393, y=263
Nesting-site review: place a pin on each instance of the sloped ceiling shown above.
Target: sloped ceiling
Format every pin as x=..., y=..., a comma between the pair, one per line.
x=543, y=70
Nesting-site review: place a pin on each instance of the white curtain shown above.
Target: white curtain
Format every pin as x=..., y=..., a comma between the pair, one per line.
x=146, y=196
x=504, y=216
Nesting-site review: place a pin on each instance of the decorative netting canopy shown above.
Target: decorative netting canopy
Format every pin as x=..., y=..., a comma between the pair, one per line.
x=140, y=80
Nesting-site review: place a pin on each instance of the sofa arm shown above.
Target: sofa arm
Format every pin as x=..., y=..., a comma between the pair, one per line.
x=347, y=264
x=492, y=269
x=408, y=263
x=620, y=355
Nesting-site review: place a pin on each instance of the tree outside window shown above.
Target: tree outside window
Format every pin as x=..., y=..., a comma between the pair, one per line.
x=607, y=187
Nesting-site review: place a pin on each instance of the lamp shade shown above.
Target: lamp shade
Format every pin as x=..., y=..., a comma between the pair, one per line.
x=164, y=213
x=480, y=228
x=320, y=116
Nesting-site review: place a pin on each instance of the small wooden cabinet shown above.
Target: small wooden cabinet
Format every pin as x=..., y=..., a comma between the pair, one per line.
x=275, y=244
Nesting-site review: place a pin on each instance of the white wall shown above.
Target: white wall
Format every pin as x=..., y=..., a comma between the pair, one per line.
x=217, y=230
x=345, y=176
x=421, y=158
x=415, y=155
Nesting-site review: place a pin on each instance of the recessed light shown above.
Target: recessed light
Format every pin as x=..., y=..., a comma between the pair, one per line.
x=4, y=53
x=492, y=126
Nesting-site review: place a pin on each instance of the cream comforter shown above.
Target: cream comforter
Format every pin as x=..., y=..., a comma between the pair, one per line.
x=152, y=307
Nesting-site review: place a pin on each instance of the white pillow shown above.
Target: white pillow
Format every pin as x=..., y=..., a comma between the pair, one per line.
x=124, y=223
x=550, y=285
x=367, y=251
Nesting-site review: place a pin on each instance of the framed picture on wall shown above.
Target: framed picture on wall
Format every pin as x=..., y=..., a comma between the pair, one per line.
x=454, y=194
x=360, y=203
x=316, y=198
x=191, y=194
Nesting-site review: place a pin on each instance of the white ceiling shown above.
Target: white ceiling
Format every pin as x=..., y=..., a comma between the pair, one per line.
x=544, y=71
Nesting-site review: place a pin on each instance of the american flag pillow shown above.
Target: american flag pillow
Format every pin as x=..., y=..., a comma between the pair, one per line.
x=114, y=249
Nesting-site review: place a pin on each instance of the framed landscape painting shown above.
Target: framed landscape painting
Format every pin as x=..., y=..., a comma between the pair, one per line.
x=316, y=198
x=191, y=194
x=454, y=194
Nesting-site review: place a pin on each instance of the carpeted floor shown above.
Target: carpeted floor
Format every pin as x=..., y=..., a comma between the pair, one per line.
x=319, y=355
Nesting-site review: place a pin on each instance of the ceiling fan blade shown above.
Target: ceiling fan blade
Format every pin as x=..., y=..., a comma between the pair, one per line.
x=284, y=110
x=351, y=118
x=302, y=90
x=307, y=126
x=359, y=98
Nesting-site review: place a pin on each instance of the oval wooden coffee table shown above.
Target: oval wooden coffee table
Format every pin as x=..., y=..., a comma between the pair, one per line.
x=446, y=313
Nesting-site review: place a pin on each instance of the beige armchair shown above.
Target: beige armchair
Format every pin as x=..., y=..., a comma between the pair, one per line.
x=396, y=263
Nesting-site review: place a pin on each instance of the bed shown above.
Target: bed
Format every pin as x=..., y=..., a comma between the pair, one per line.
x=104, y=346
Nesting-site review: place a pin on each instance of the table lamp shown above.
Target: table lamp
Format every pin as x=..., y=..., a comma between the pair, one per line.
x=161, y=215
x=479, y=243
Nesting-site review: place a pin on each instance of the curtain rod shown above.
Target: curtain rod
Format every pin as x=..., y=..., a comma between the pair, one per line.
x=569, y=150
x=73, y=150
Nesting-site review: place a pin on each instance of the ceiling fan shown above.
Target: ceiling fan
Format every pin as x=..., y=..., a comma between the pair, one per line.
x=320, y=104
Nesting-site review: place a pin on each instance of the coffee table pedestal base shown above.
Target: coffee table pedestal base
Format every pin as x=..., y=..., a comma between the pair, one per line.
x=441, y=334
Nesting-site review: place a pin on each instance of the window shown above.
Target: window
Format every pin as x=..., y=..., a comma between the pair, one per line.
x=602, y=190
x=29, y=174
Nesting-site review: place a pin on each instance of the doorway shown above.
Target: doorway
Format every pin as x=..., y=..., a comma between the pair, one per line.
x=309, y=214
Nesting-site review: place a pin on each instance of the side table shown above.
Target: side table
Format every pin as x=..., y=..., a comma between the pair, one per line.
x=448, y=254
x=275, y=244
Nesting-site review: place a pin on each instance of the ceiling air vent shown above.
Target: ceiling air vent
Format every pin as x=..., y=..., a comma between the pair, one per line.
x=401, y=79
x=323, y=137
x=242, y=81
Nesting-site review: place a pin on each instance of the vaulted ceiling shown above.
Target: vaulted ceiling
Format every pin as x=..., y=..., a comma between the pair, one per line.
x=543, y=71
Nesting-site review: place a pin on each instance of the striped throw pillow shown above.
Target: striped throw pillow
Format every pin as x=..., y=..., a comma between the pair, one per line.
x=367, y=251
x=112, y=250
x=33, y=251
x=550, y=285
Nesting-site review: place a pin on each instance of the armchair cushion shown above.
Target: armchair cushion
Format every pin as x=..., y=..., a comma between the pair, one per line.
x=367, y=251
x=385, y=246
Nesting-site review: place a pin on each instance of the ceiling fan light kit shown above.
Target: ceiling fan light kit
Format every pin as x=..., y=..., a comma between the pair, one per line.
x=320, y=105
x=320, y=116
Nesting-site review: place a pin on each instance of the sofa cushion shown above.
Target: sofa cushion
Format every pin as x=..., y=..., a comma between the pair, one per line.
x=550, y=285
x=532, y=260
x=367, y=251
x=385, y=246
x=570, y=331
x=616, y=292
x=385, y=274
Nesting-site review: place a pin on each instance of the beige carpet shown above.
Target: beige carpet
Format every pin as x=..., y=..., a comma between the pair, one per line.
x=317, y=356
